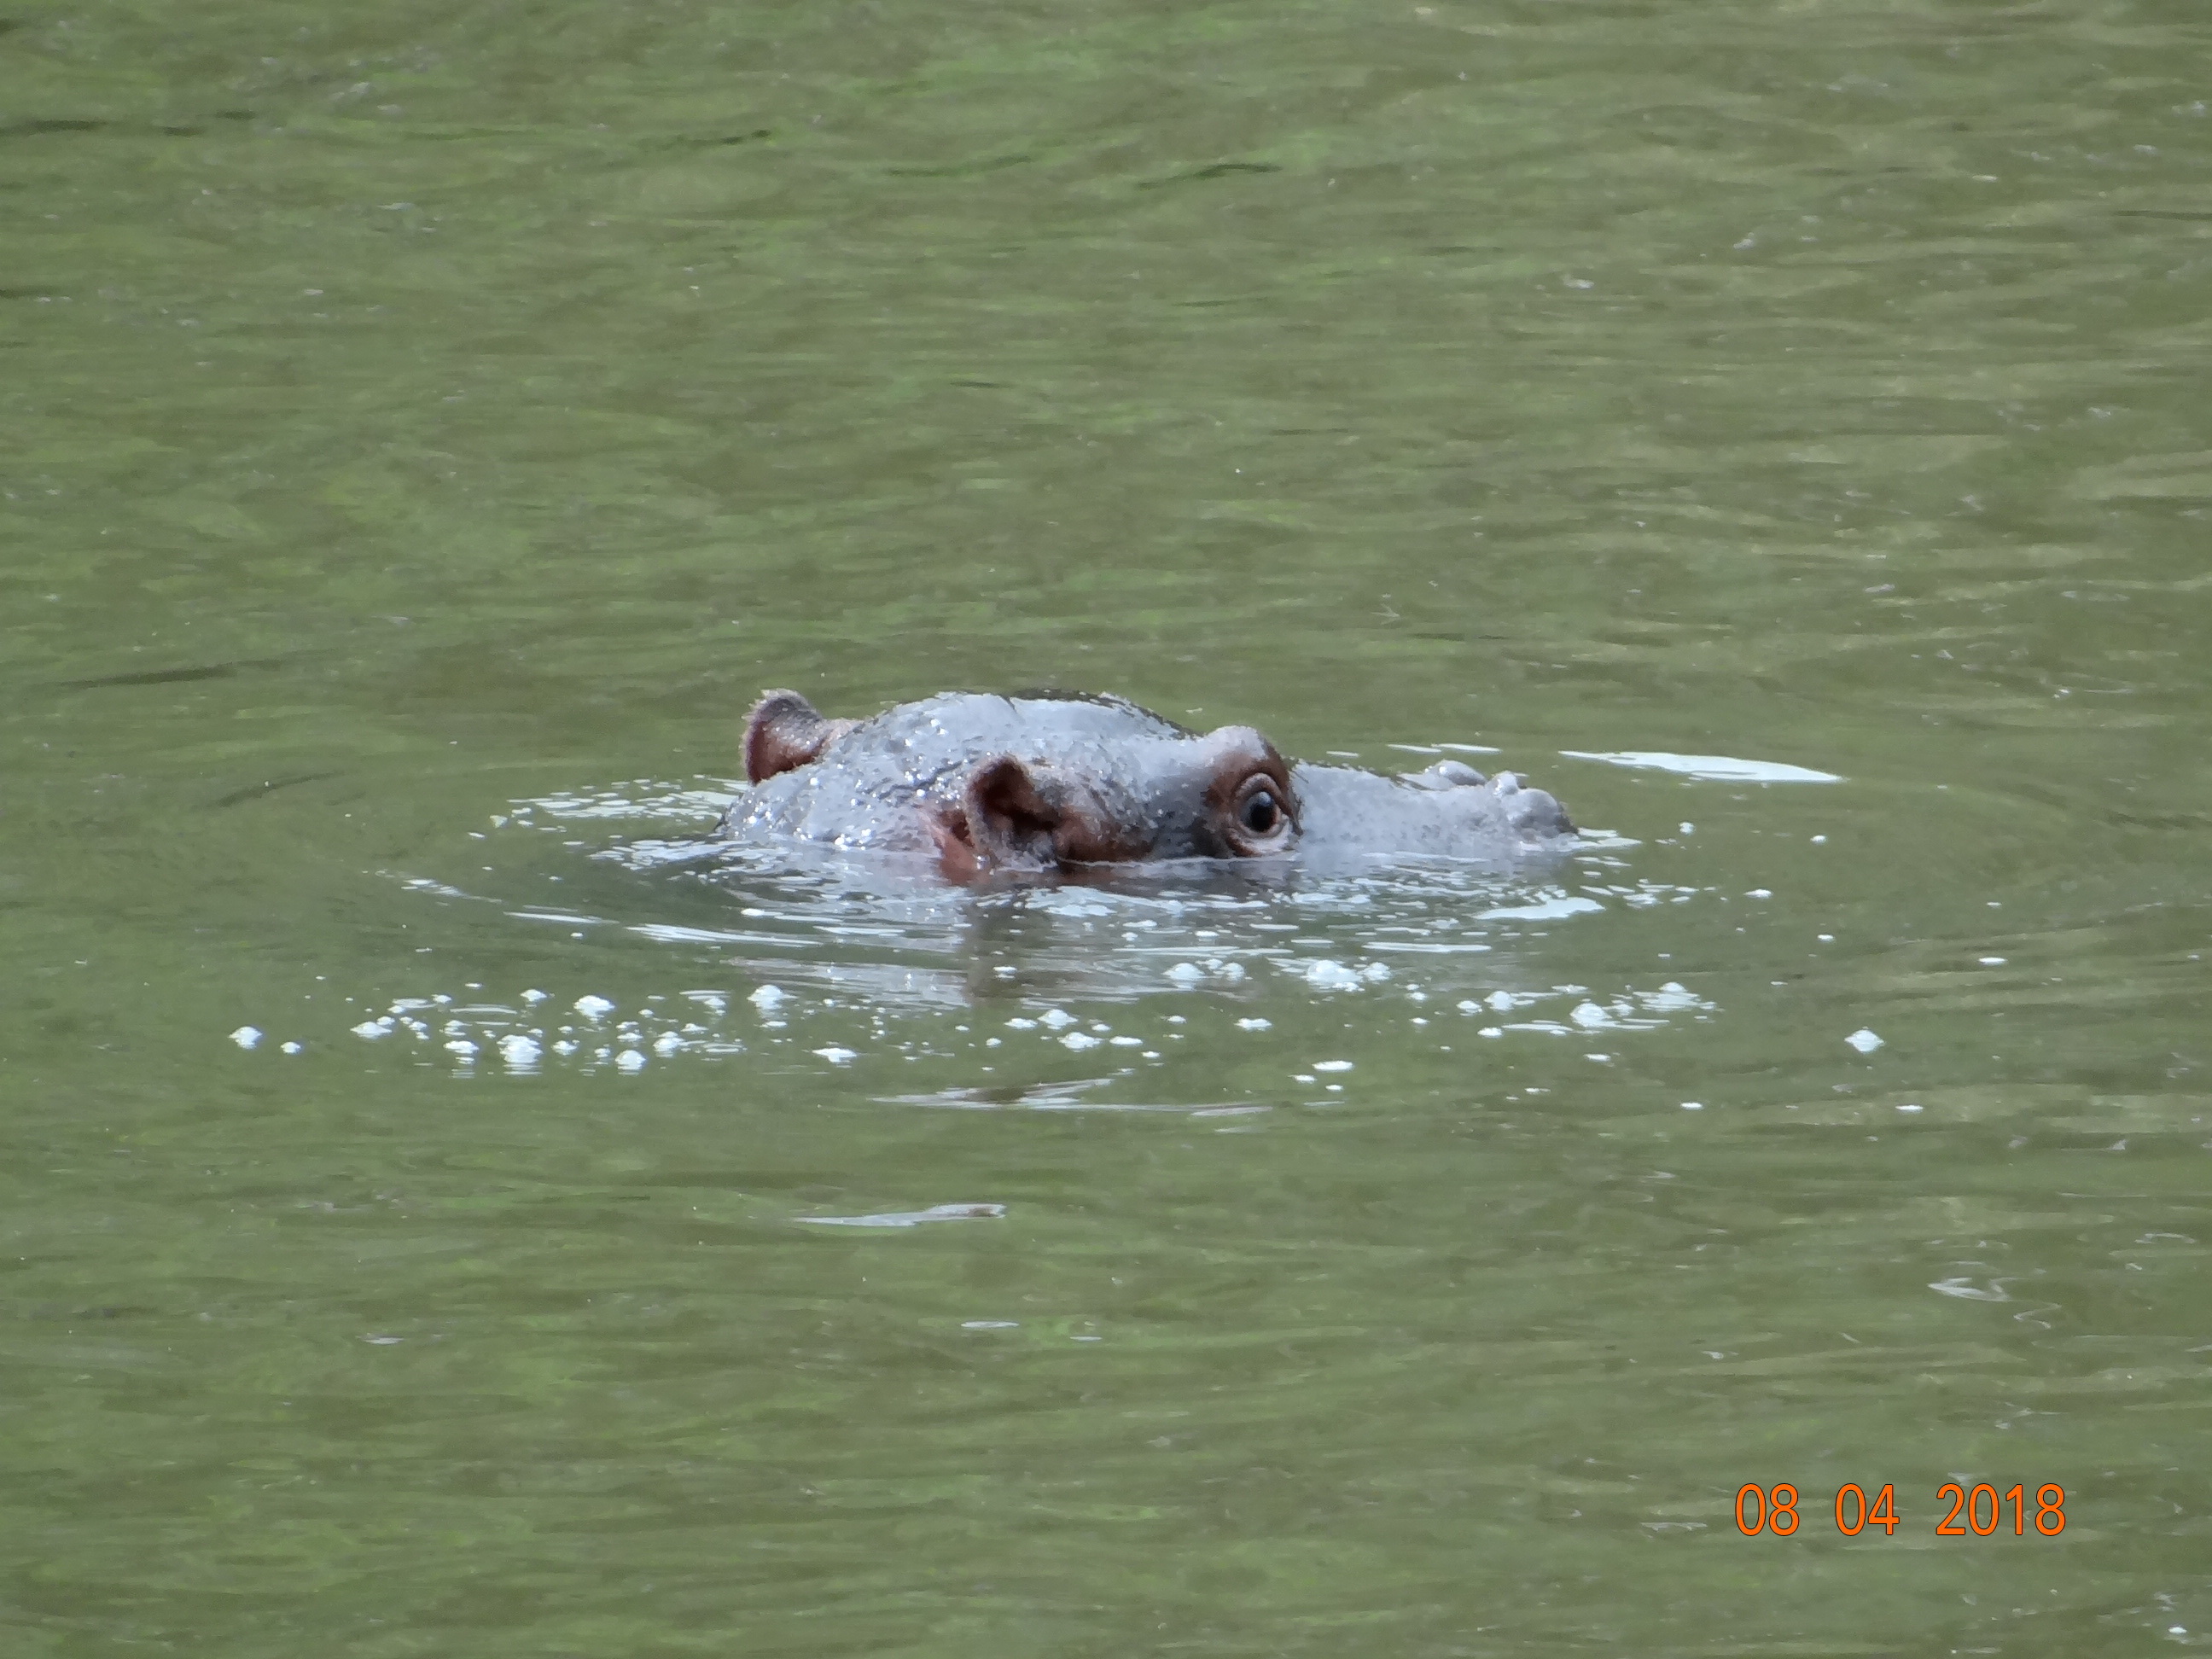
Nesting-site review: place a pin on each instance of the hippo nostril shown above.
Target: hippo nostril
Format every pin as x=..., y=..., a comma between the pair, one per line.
x=1535, y=812
x=1446, y=775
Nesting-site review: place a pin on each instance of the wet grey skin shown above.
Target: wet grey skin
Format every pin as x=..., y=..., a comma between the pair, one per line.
x=990, y=785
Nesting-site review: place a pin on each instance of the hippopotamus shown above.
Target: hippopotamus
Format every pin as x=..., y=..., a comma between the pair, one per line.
x=986, y=786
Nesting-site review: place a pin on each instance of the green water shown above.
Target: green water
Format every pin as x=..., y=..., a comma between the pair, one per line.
x=424, y=429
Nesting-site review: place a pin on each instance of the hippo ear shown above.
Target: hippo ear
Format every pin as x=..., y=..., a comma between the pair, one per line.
x=1022, y=815
x=785, y=731
x=1012, y=816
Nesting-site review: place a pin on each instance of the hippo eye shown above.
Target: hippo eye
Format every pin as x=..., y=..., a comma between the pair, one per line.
x=1261, y=817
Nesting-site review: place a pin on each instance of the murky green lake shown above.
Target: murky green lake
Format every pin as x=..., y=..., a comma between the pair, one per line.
x=424, y=429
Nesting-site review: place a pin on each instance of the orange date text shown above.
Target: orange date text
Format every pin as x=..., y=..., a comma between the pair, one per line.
x=1977, y=1511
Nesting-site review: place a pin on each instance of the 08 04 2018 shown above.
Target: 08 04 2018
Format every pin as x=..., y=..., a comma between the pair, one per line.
x=1981, y=1511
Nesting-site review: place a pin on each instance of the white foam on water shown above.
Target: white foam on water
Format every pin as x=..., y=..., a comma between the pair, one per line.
x=424, y=885
x=1550, y=909
x=1967, y=1291
x=1717, y=769
x=911, y=1217
x=245, y=1036
x=661, y=801
x=830, y=958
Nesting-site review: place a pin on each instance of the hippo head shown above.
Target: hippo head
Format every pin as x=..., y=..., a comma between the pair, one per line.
x=1029, y=785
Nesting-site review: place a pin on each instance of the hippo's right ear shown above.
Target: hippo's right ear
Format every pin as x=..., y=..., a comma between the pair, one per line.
x=785, y=731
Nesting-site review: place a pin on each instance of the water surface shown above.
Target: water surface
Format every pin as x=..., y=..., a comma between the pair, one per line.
x=1779, y=433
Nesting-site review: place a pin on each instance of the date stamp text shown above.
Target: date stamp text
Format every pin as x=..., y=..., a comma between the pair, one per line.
x=1978, y=1511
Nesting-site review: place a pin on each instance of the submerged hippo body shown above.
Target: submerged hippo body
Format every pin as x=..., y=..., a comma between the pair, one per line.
x=987, y=784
